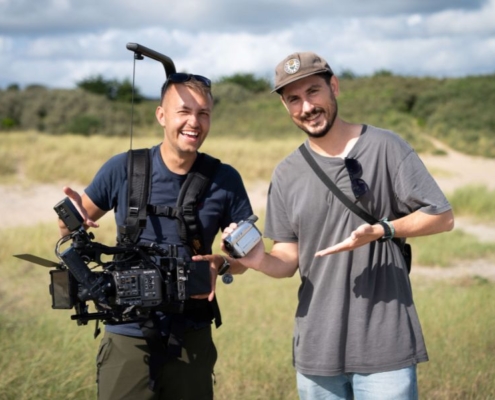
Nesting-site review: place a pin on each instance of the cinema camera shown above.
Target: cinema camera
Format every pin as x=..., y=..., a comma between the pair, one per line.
x=141, y=277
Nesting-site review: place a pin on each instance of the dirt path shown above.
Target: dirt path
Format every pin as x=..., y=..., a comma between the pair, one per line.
x=456, y=170
x=24, y=206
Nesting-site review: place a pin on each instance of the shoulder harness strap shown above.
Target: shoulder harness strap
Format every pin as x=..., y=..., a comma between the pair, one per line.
x=191, y=193
x=138, y=180
x=186, y=209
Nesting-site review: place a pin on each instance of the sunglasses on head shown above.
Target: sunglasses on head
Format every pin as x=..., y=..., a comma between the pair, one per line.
x=181, y=77
x=359, y=187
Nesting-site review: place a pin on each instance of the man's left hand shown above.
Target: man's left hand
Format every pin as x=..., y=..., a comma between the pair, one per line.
x=364, y=234
x=215, y=262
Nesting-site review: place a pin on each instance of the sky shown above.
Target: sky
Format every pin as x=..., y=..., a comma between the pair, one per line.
x=57, y=43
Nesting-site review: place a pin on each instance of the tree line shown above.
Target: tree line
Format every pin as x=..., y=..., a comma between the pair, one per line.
x=457, y=111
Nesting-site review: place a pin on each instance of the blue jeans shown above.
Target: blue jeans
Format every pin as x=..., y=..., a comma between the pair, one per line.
x=391, y=385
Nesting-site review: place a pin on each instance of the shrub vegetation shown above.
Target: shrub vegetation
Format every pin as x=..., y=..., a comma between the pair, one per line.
x=455, y=110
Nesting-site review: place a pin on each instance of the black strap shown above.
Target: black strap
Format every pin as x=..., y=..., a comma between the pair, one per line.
x=162, y=348
x=185, y=211
x=191, y=193
x=157, y=349
x=335, y=190
x=403, y=246
x=138, y=179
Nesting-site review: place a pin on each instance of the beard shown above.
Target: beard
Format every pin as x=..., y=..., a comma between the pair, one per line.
x=321, y=132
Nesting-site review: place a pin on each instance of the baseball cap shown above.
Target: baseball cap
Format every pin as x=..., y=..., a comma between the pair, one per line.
x=297, y=66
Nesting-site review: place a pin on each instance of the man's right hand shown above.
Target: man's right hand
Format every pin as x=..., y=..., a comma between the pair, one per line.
x=254, y=258
x=77, y=200
x=282, y=262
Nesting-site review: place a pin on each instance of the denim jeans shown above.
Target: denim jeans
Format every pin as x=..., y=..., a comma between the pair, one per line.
x=391, y=385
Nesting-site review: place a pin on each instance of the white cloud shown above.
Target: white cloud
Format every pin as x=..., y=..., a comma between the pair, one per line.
x=209, y=15
x=215, y=38
x=458, y=22
x=414, y=19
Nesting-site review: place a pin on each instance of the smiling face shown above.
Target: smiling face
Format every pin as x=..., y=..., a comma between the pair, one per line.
x=311, y=104
x=185, y=116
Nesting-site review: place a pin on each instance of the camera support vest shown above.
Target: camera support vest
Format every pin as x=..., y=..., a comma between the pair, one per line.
x=186, y=213
x=186, y=208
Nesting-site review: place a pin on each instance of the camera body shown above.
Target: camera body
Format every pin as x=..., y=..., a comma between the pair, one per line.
x=242, y=240
x=141, y=277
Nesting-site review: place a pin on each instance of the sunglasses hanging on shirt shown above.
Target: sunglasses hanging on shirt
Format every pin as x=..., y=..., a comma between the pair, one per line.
x=359, y=187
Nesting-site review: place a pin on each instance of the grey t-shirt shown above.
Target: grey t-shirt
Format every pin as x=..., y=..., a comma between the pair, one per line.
x=355, y=311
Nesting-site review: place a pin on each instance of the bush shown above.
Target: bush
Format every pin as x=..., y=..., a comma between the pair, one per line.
x=248, y=81
x=84, y=125
x=458, y=111
x=112, y=89
x=8, y=123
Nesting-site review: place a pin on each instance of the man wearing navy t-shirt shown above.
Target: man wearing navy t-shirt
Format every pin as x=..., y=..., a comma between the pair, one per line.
x=122, y=361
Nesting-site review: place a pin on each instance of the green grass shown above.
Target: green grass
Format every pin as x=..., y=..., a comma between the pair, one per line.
x=474, y=201
x=451, y=248
x=46, y=355
x=458, y=324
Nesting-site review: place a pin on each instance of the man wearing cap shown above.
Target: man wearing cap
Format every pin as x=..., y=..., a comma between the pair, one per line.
x=357, y=333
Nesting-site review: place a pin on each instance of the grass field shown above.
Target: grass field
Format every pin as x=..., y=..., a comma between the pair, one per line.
x=47, y=158
x=45, y=355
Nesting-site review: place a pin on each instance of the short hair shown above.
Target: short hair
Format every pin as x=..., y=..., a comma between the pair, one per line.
x=193, y=84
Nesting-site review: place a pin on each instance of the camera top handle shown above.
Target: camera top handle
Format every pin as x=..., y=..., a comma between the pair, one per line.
x=139, y=50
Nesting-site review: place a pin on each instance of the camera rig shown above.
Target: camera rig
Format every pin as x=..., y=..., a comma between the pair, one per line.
x=140, y=278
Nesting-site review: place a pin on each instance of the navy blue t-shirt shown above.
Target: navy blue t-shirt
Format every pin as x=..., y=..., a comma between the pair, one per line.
x=225, y=201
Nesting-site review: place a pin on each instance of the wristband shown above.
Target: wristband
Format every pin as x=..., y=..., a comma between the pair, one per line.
x=224, y=267
x=388, y=228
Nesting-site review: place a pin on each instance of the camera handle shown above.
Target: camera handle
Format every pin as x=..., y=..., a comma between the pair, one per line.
x=140, y=51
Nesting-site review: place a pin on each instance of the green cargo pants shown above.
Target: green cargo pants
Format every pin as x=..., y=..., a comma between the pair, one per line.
x=123, y=373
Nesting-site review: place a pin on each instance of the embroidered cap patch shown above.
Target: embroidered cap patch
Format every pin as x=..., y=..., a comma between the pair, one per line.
x=292, y=66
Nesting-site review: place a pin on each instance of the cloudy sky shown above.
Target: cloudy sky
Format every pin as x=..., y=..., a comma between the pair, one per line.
x=59, y=42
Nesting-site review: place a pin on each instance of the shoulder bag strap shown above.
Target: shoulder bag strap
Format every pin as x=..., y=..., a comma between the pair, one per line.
x=335, y=190
x=403, y=246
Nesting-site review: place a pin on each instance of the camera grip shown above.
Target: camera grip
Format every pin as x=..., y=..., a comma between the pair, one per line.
x=77, y=266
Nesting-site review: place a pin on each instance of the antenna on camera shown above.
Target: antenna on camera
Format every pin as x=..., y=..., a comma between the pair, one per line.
x=139, y=52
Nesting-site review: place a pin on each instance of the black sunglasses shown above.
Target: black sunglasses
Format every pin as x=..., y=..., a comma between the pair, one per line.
x=181, y=77
x=359, y=187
